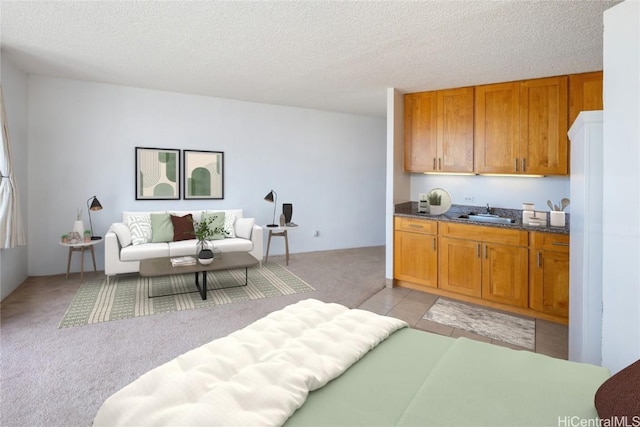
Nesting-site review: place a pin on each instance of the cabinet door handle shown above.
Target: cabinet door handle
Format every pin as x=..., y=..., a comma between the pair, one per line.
x=478, y=250
x=539, y=259
x=439, y=163
x=524, y=164
x=516, y=164
x=486, y=251
x=560, y=244
x=415, y=226
x=434, y=164
x=434, y=244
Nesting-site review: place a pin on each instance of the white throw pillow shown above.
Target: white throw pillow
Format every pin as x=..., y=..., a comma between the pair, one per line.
x=140, y=228
x=230, y=223
x=244, y=226
x=123, y=233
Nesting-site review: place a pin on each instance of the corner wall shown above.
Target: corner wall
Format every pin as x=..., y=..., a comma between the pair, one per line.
x=621, y=187
x=397, y=180
x=82, y=139
x=13, y=262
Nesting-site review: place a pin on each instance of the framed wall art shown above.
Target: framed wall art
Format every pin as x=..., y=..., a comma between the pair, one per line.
x=157, y=174
x=203, y=174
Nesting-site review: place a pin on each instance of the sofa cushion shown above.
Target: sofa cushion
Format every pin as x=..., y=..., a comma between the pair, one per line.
x=244, y=227
x=123, y=233
x=216, y=221
x=188, y=247
x=182, y=227
x=161, y=228
x=229, y=224
x=140, y=228
x=144, y=251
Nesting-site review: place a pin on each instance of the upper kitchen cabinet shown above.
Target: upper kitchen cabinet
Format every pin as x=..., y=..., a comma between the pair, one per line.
x=521, y=127
x=585, y=93
x=420, y=118
x=497, y=128
x=439, y=131
x=455, y=130
x=544, y=144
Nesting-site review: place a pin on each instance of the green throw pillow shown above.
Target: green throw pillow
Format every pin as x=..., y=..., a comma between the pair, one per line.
x=161, y=228
x=216, y=222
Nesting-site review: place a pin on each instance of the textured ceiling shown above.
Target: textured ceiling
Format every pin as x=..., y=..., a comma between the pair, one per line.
x=329, y=55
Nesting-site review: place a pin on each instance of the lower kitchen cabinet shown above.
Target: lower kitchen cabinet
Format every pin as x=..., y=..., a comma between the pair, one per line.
x=490, y=263
x=504, y=274
x=460, y=266
x=508, y=269
x=415, y=257
x=549, y=273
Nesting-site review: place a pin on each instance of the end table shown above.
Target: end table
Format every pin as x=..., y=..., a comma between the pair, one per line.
x=81, y=247
x=279, y=232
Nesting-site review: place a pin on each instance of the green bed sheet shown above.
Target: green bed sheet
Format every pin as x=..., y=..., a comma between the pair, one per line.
x=415, y=378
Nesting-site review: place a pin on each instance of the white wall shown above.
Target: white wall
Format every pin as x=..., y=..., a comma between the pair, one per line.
x=81, y=143
x=13, y=262
x=504, y=192
x=397, y=180
x=621, y=212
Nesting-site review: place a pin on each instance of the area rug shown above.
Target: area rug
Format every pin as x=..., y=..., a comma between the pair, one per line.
x=125, y=297
x=492, y=324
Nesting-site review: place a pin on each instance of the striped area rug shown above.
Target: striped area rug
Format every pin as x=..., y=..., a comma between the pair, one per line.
x=126, y=296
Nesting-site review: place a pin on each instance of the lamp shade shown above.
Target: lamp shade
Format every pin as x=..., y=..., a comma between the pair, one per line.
x=95, y=204
x=269, y=197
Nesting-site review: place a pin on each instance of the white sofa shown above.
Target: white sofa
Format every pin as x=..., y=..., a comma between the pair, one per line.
x=121, y=255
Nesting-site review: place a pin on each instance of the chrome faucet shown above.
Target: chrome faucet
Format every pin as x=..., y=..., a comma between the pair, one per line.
x=488, y=210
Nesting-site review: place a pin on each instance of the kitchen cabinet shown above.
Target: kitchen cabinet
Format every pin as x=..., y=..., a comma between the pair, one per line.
x=415, y=256
x=544, y=144
x=497, y=128
x=439, y=131
x=585, y=93
x=420, y=121
x=549, y=273
x=485, y=262
x=521, y=127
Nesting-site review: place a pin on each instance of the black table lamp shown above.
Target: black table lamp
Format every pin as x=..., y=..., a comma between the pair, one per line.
x=93, y=206
x=273, y=198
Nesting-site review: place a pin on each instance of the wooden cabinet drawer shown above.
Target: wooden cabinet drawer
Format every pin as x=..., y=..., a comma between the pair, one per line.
x=486, y=234
x=550, y=242
x=415, y=225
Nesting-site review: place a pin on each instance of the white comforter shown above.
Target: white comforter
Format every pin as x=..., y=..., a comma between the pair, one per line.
x=257, y=376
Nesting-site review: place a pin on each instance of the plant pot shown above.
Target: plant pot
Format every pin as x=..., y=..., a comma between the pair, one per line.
x=436, y=209
x=205, y=256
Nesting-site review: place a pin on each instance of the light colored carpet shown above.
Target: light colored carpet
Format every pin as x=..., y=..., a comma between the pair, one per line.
x=125, y=297
x=59, y=377
x=500, y=326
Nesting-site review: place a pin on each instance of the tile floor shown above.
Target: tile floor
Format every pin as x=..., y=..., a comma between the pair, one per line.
x=410, y=306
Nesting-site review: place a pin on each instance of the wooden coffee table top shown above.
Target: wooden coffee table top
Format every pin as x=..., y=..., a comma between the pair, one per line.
x=162, y=266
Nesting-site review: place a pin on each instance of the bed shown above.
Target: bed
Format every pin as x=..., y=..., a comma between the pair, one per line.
x=320, y=364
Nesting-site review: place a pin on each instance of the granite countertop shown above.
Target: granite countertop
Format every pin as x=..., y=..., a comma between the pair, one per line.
x=410, y=209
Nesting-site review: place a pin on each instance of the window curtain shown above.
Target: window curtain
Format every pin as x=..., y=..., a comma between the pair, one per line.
x=11, y=229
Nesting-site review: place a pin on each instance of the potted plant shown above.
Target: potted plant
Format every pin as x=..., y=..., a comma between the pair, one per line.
x=87, y=236
x=435, y=200
x=65, y=238
x=204, y=232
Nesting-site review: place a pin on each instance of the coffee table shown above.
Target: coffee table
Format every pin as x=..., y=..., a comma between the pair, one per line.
x=162, y=267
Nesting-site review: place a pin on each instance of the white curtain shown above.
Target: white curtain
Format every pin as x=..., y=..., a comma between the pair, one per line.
x=11, y=229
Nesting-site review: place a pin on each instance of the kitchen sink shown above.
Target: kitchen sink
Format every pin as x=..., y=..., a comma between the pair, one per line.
x=488, y=218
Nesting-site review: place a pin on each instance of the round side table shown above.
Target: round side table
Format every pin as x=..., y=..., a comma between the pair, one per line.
x=81, y=247
x=280, y=231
